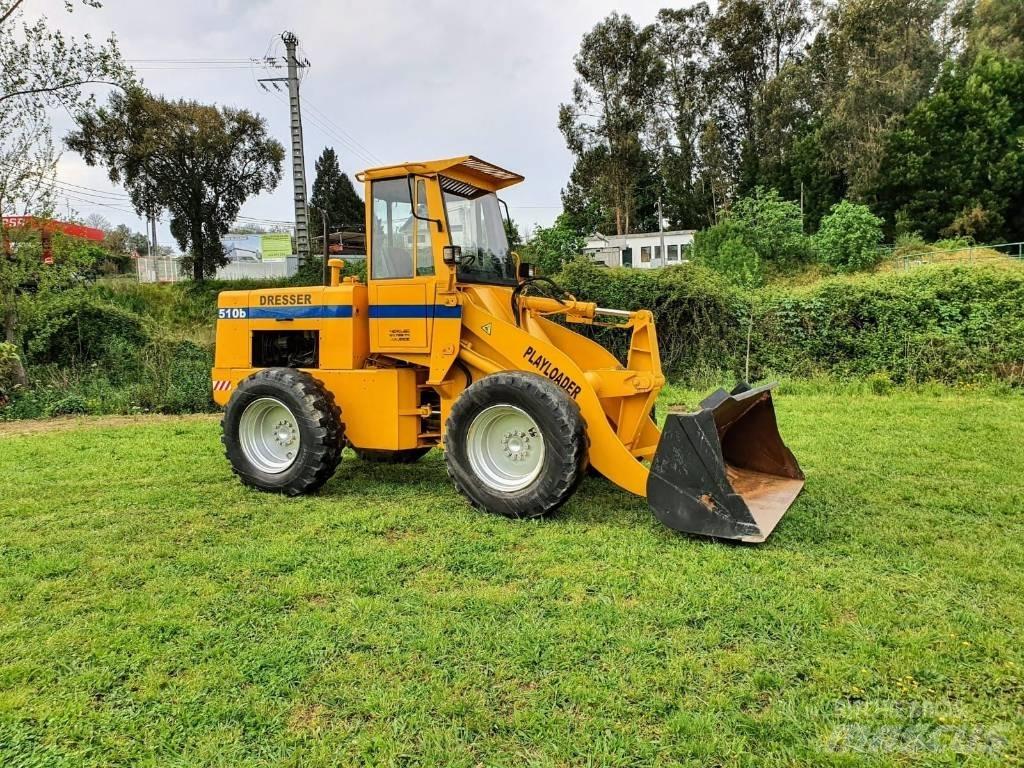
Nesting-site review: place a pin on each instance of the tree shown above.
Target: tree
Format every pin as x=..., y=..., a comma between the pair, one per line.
x=870, y=65
x=996, y=26
x=612, y=104
x=957, y=165
x=198, y=162
x=122, y=240
x=550, y=247
x=512, y=233
x=98, y=221
x=684, y=111
x=333, y=191
x=42, y=68
x=751, y=41
x=761, y=231
x=849, y=237
x=583, y=205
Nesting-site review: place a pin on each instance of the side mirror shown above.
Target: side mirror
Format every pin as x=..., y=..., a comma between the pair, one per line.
x=452, y=255
x=525, y=270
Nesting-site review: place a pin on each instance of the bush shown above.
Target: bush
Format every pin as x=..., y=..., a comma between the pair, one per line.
x=78, y=329
x=72, y=405
x=880, y=383
x=724, y=248
x=949, y=324
x=700, y=315
x=189, y=388
x=849, y=237
x=12, y=373
x=551, y=247
x=759, y=233
x=775, y=228
x=175, y=377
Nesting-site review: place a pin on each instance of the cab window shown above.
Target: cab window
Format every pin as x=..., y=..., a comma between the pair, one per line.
x=394, y=230
x=421, y=241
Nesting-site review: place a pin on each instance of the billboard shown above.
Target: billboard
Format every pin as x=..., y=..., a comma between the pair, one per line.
x=276, y=246
x=266, y=246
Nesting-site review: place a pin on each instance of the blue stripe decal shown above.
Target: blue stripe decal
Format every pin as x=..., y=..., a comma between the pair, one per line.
x=329, y=311
x=392, y=311
x=322, y=311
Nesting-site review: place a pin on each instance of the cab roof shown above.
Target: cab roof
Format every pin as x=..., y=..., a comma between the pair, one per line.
x=467, y=168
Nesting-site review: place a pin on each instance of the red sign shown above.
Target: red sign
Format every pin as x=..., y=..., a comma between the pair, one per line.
x=51, y=225
x=46, y=228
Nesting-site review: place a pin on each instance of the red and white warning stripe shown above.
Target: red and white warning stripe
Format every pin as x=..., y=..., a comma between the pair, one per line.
x=221, y=386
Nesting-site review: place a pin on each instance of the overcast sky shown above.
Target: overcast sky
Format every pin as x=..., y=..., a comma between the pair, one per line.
x=389, y=81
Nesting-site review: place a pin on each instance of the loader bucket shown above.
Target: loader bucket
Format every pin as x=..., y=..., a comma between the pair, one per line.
x=724, y=470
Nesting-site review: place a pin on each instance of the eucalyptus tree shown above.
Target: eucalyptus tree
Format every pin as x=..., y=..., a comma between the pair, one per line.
x=607, y=123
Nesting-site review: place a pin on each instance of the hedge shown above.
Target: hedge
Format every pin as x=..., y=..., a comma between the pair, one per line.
x=951, y=324
x=120, y=350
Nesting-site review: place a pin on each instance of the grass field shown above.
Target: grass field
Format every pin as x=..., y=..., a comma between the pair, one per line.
x=154, y=612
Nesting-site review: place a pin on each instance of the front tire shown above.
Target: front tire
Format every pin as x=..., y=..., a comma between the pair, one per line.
x=282, y=432
x=516, y=445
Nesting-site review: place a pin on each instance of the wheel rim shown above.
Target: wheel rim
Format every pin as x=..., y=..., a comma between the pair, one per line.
x=269, y=435
x=505, y=447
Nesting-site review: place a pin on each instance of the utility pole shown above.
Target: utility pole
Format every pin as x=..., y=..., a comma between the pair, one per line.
x=327, y=252
x=291, y=43
x=661, y=232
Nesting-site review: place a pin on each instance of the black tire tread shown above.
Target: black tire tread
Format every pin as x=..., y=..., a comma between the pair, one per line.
x=328, y=429
x=571, y=456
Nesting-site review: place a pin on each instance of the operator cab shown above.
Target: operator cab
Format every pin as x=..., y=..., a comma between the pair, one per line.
x=419, y=213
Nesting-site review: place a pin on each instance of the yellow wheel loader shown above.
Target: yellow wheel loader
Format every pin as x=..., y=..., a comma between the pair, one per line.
x=452, y=343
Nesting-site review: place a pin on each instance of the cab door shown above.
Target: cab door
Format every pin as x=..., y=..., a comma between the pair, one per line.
x=401, y=268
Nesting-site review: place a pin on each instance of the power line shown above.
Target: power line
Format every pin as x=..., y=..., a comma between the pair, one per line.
x=327, y=119
x=256, y=220
x=51, y=179
x=325, y=129
x=175, y=68
x=92, y=203
x=87, y=191
x=245, y=60
x=318, y=118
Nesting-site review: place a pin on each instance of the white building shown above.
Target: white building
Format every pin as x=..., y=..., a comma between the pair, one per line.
x=641, y=249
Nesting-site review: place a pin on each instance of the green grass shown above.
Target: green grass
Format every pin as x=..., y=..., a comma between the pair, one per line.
x=154, y=612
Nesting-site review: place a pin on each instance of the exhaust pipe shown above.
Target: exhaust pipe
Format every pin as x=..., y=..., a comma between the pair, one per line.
x=724, y=471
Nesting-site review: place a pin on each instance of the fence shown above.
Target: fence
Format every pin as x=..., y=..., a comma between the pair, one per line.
x=166, y=269
x=159, y=269
x=259, y=270
x=971, y=254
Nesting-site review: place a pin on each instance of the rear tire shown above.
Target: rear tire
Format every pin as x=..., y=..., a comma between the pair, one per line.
x=282, y=432
x=376, y=456
x=516, y=445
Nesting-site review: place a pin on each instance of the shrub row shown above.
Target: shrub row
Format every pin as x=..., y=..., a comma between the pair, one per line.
x=950, y=324
x=86, y=354
x=110, y=350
